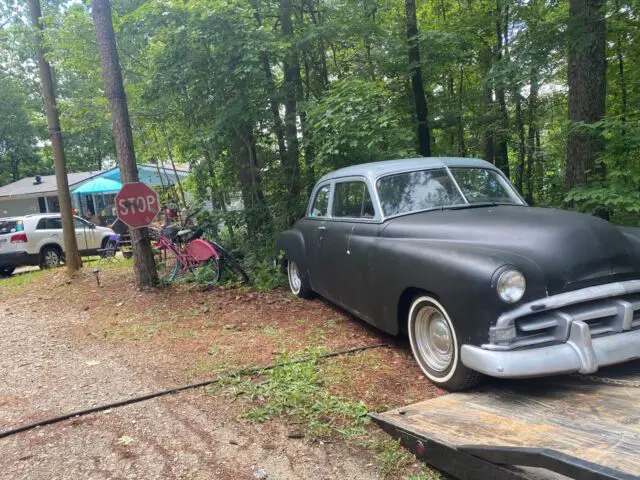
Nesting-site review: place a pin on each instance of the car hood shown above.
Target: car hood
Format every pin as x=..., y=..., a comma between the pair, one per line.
x=572, y=250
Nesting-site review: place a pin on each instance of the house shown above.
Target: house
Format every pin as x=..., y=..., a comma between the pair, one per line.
x=39, y=194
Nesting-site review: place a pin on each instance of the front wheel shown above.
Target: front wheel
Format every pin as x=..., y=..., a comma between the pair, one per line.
x=435, y=345
x=297, y=283
x=6, y=271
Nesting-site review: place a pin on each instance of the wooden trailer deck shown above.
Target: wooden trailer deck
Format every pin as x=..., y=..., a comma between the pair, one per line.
x=581, y=427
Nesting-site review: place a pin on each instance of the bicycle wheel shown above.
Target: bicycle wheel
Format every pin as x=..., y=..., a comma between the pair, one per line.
x=230, y=263
x=208, y=272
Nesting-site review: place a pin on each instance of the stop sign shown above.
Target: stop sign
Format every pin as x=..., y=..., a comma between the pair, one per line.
x=137, y=204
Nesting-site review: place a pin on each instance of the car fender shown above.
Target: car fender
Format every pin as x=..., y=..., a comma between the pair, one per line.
x=292, y=243
x=460, y=275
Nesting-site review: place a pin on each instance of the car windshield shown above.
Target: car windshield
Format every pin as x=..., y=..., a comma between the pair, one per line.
x=437, y=188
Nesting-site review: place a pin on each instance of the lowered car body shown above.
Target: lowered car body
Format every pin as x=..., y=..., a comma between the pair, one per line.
x=447, y=250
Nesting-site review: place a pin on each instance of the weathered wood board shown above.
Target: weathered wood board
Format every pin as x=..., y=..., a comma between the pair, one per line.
x=582, y=417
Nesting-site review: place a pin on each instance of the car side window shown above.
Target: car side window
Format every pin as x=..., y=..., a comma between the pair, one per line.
x=320, y=205
x=54, y=224
x=42, y=224
x=79, y=224
x=352, y=200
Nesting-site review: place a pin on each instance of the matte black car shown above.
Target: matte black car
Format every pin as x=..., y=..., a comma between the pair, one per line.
x=446, y=250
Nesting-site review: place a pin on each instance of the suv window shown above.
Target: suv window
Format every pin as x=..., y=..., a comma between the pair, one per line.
x=79, y=224
x=9, y=226
x=352, y=200
x=320, y=206
x=49, y=224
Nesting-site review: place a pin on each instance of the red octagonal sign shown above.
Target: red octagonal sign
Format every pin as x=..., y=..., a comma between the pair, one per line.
x=137, y=204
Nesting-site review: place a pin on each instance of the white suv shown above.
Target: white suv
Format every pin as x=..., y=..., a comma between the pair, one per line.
x=38, y=240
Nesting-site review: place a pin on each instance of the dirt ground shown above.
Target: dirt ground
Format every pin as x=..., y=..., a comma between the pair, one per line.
x=68, y=345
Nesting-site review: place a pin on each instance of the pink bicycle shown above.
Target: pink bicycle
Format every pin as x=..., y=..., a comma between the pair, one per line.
x=188, y=253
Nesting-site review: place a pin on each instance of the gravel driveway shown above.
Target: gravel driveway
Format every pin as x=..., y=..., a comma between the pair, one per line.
x=47, y=371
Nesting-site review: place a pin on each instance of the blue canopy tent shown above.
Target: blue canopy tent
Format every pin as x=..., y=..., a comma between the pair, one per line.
x=97, y=196
x=98, y=185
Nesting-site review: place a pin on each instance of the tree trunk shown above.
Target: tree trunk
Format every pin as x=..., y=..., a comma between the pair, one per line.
x=72, y=256
x=462, y=149
x=291, y=69
x=520, y=169
x=274, y=102
x=422, y=111
x=485, y=58
x=622, y=82
x=502, y=136
x=530, y=172
x=256, y=213
x=587, y=89
x=143, y=265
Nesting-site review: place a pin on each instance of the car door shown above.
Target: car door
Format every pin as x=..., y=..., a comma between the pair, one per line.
x=345, y=252
x=313, y=227
x=85, y=235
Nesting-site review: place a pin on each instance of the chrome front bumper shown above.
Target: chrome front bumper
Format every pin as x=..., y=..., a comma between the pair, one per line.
x=580, y=354
x=578, y=331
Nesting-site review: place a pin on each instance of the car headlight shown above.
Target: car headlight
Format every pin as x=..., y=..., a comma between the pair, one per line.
x=511, y=286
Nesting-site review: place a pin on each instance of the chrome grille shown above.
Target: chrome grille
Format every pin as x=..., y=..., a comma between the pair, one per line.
x=603, y=317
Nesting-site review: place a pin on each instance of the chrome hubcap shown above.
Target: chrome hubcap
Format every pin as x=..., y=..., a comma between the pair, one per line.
x=434, y=338
x=51, y=259
x=294, y=277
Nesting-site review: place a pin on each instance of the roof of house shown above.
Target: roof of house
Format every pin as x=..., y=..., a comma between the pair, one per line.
x=377, y=169
x=28, y=186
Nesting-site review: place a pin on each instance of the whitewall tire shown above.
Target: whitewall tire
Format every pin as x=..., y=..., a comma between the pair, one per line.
x=435, y=345
x=297, y=282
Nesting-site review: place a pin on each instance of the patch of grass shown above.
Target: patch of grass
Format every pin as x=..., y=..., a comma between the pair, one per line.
x=390, y=456
x=426, y=475
x=132, y=331
x=16, y=283
x=295, y=391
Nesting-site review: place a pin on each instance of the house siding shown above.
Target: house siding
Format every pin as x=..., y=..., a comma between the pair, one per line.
x=11, y=207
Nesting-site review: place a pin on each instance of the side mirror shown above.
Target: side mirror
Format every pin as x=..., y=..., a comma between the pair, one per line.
x=92, y=226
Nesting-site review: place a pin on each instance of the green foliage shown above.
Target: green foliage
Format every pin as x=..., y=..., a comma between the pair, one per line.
x=295, y=390
x=358, y=121
x=205, y=84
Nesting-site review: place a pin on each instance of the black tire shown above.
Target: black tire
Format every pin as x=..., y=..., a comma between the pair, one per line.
x=298, y=283
x=435, y=345
x=214, y=272
x=6, y=271
x=50, y=257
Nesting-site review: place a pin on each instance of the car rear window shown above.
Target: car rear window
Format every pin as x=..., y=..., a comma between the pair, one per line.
x=352, y=200
x=10, y=226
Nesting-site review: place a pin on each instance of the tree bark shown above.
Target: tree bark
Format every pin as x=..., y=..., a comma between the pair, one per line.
x=502, y=136
x=485, y=58
x=257, y=215
x=462, y=149
x=530, y=172
x=422, y=110
x=587, y=89
x=143, y=265
x=520, y=169
x=291, y=67
x=72, y=256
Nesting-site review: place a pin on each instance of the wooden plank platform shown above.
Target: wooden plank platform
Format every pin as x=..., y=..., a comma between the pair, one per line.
x=595, y=419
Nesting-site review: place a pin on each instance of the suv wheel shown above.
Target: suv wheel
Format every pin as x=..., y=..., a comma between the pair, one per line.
x=50, y=257
x=6, y=271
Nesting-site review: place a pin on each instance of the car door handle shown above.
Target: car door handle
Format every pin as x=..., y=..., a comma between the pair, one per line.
x=323, y=228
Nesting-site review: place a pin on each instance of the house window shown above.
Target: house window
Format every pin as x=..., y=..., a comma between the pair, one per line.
x=42, y=205
x=54, y=204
